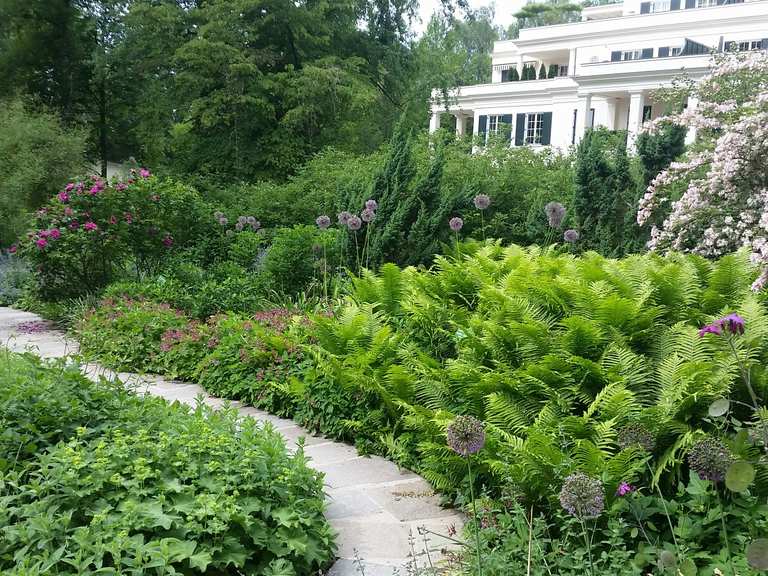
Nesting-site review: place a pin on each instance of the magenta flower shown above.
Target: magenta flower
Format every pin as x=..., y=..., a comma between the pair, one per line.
x=624, y=489
x=69, y=187
x=732, y=323
x=323, y=222
x=74, y=225
x=94, y=190
x=63, y=197
x=120, y=186
x=144, y=173
x=128, y=217
x=456, y=223
x=13, y=249
x=55, y=234
x=41, y=243
x=168, y=241
x=43, y=233
x=112, y=219
x=90, y=226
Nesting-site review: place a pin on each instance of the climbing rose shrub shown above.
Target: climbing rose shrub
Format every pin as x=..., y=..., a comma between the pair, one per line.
x=724, y=180
x=94, y=231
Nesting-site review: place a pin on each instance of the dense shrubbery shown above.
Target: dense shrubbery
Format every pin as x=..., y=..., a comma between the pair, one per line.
x=556, y=354
x=96, y=479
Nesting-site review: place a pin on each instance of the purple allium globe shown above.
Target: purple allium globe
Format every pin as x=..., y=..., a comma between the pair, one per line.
x=371, y=204
x=354, y=223
x=710, y=459
x=456, y=223
x=323, y=222
x=242, y=220
x=482, y=201
x=255, y=226
x=368, y=215
x=218, y=215
x=223, y=221
x=239, y=226
x=466, y=435
x=344, y=217
x=251, y=220
x=582, y=496
x=571, y=235
x=635, y=435
x=555, y=213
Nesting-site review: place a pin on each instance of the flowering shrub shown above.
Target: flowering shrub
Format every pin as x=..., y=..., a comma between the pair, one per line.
x=93, y=231
x=724, y=201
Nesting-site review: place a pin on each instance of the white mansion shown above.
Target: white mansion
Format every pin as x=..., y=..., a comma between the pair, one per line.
x=554, y=82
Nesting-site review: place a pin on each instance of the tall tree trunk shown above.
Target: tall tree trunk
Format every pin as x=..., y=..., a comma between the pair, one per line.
x=103, y=125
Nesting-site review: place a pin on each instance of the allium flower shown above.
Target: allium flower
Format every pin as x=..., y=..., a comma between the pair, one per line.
x=482, y=201
x=635, y=435
x=344, y=217
x=63, y=197
x=354, y=222
x=239, y=226
x=223, y=221
x=466, y=435
x=323, y=222
x=256, y=225
x=456, y=223
x=90, y=226
x=55, y=234
x=582, y=496
x=371, y=204
x=368, y=215
x=251, y=220
x=555, y=213
x=571, y=235
x=144, y=173
x=710, y=459
x=243, y=220
x=624, y=489
x=218, y=215
x=41, y=243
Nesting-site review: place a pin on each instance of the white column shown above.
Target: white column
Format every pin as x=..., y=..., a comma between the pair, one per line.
x=519, y=65
x=460, y=121
x=636, y=103
x=572, y=62
x=690, y=136
x=582, y=116
x=476, y=124
x=434, y=122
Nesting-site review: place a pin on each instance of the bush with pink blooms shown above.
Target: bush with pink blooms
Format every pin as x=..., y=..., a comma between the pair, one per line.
x=94, y=231
x=716, y=199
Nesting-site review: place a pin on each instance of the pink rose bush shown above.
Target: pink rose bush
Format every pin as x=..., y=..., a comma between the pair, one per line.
x=95, y=230
x=724, y=179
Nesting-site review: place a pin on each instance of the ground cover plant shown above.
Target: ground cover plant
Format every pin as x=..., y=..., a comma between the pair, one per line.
x=560, y=357
x=94, y=479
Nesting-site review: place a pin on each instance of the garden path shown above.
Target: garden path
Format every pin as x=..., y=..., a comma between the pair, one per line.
x=372, y=504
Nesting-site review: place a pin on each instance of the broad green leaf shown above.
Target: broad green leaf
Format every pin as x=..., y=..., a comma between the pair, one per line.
x=740, y=476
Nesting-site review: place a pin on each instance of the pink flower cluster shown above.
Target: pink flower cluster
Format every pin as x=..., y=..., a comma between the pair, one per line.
x=725, y=202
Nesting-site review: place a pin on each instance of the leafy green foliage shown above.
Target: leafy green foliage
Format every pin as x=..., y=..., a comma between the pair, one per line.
x=110, y=481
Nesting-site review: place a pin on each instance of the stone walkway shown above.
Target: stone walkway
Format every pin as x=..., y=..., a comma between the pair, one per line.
x=372, y=504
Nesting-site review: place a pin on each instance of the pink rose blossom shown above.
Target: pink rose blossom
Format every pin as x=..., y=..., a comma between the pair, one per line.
x=41, y=243
x=91, y=226
x=144, y=173
x=63, y=197
x=55, y=234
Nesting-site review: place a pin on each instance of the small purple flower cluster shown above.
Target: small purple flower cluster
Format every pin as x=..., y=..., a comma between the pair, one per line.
x=732, y=323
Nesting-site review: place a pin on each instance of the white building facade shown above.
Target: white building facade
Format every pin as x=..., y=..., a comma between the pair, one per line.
x=600, y=71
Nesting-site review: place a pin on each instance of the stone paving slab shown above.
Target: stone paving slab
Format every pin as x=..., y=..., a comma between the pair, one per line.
x=372, y=504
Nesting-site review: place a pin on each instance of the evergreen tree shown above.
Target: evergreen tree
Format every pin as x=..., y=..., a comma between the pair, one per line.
x=513, y=75
x=543, y=72
x=553, y=69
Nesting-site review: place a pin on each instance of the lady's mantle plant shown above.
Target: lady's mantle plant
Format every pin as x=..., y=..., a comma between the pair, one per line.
x=724, y=202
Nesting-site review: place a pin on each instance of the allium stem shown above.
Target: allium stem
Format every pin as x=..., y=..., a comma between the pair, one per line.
x=666, y=511
x=482, y=224
x=745, y=374
x=725, y=534
x=474, y=517
x=587, y=543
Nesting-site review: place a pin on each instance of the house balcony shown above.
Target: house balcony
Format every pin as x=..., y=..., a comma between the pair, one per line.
x=643, y=74
x=482, y=94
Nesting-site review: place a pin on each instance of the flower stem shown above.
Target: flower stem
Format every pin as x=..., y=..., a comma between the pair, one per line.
x=666, y=511
x=587, y=544
x=474, y=517
x=725, y=534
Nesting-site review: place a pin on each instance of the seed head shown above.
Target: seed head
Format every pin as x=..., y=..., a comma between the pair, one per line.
x=466, y=435
x=582, y=496
x=710, y=459
x=555, y=213
x=482, y=201
x=323, y=222
x=456, y=223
